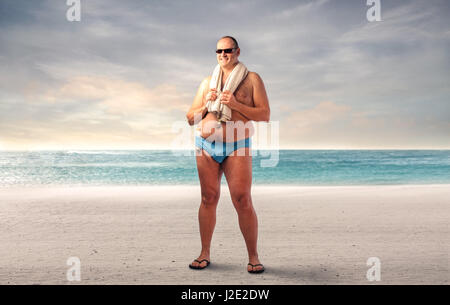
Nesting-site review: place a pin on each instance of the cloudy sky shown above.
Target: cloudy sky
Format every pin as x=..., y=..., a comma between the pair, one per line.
x=122, y=76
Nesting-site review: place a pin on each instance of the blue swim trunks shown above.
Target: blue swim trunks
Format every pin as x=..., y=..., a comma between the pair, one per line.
x=219, y=151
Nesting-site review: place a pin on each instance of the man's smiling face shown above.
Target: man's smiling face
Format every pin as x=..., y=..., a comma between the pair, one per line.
x=227, y=59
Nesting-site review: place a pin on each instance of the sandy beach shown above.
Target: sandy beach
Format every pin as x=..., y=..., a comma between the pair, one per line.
x=149, y=235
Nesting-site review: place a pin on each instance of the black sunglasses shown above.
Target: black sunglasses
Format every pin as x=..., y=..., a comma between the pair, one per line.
x=228, y=51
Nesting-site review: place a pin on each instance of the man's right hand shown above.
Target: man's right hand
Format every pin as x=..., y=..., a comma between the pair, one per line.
x=212, y=94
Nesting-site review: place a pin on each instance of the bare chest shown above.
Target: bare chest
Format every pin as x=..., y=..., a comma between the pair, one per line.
x=244, y=93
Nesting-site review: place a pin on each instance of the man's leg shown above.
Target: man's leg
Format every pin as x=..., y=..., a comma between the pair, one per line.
x=238, y=172
x=210, y=174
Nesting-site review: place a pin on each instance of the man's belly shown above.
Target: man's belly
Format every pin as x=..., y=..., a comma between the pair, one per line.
x=236, y=129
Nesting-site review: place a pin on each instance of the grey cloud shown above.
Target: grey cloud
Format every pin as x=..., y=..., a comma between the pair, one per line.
x=306, y=51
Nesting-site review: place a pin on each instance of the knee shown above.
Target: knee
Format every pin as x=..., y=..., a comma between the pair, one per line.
x=243, y=202
x=210, y=198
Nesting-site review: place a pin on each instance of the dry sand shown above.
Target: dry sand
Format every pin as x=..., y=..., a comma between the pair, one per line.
x=149, y=235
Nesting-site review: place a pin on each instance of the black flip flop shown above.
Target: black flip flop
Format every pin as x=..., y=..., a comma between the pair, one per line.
x=256, y=271
x=199, y=262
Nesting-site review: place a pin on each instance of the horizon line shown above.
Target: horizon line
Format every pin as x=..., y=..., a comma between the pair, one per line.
x=184, y=149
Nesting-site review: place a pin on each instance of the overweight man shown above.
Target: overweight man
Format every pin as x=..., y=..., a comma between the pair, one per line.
x=223, y=146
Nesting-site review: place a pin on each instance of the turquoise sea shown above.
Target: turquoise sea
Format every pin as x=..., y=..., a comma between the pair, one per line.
x=158, y=167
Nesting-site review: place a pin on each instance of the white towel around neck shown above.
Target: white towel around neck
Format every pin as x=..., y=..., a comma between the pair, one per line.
x=223, y=112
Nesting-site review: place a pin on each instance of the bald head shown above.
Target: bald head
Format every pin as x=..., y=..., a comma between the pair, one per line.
x=236, y=45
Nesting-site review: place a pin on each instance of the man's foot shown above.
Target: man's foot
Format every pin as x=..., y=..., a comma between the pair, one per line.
x=258, y=268
x=255, y=266
x=199, y=263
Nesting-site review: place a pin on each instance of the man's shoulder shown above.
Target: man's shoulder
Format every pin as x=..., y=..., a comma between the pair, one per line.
x=206, y=81
x=253, y=76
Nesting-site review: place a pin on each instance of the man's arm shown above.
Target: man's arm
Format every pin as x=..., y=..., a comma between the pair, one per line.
x=261, y=111
x=198, y=110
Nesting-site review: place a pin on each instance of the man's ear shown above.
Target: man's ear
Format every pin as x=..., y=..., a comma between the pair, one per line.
x=238, y=51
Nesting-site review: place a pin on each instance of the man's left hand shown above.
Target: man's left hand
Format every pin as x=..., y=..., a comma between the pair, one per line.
x=227, y=98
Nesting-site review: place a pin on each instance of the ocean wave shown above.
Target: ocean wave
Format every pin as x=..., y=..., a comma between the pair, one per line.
x=97, y=152
x=121, y=164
